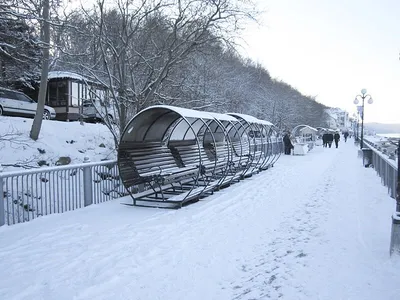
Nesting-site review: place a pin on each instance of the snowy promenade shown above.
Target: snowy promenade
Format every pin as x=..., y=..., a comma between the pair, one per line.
x=313, y=227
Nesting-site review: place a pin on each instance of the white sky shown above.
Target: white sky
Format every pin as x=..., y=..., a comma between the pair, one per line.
x=333, y=49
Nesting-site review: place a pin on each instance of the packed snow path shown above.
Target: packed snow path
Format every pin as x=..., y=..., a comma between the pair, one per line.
x=313, y=227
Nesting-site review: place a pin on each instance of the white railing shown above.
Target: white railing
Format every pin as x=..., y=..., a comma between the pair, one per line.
x=26, y=195
x=385, y=165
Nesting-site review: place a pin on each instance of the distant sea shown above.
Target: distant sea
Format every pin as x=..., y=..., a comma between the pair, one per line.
x=390, y=135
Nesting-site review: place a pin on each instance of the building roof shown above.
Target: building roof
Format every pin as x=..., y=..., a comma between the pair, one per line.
x=64, y=74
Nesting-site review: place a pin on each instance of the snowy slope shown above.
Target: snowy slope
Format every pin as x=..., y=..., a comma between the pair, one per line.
x=313, y=227
x=57, y=139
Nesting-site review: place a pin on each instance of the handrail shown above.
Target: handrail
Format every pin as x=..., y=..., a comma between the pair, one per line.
x=56, y=168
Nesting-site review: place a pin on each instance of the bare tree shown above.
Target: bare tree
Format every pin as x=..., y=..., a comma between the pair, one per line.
x=37, y=122
x=136, y=48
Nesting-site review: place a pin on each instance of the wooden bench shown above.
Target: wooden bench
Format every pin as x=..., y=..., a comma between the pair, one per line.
x=150, y=162
x=241, y=155
x=193, y=155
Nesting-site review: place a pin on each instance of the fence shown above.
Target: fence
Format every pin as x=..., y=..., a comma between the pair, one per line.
x=29, y=194
x=385, y=165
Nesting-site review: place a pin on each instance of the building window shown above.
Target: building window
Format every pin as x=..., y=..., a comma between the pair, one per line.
x=75, y=94
x=58, y=93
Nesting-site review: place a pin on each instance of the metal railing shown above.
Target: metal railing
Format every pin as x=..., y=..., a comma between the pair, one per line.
x=26, y=195
x=385, y=165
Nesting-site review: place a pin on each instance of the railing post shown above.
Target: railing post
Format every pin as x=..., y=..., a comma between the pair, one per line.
x=398, y=179
x=2, y=207
x=87, y=184
x=395, y=234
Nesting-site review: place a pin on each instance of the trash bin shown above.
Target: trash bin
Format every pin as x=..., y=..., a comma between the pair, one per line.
x=395, y=234
x=367, y=157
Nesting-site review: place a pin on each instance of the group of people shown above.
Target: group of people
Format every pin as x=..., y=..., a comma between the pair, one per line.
x=329, y=137
x=287, y=143
x=327, y=140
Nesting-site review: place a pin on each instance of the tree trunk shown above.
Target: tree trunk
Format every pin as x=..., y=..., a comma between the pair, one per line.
x=37, y=121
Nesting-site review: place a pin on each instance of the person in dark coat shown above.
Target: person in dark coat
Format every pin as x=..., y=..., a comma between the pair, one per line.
x=329, y=139
x=325, y=140
x=345, y=135
x=337, y=139
x=288, y=143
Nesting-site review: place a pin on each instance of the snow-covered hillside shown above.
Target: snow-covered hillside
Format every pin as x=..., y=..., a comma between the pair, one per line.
x=57, y=139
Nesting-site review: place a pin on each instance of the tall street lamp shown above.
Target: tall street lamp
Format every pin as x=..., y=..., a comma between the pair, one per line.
x=356, y=117
x=363, y=96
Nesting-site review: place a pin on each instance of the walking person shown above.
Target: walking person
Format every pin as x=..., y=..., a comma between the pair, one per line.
x=329, y=139
x=336, y=137
x=288, y=143
x=325, y=140
x=346, y=134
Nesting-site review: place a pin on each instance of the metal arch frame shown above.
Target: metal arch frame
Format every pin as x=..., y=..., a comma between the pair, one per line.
x=251, y=155
x=228, y=145
x=274, y=155
x=279, y=143
x=154, y=121
x=257, y=164
x=183, y=118
x=267, y=145
x=190, y=127
x=245, y=125
x=241, y=156
x=268, y=149
x=200, y=159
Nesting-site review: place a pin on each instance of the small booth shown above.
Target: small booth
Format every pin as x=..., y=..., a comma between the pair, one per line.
x=305, y=137
x=169, y=156
x=320, y=133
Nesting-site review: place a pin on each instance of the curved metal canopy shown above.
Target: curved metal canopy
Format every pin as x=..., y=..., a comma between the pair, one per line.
x=148, y=124
x=300, y=129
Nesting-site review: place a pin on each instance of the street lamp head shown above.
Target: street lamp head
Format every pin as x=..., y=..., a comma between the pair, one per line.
x=363, y=91
x=355, y=101
x=370, y=101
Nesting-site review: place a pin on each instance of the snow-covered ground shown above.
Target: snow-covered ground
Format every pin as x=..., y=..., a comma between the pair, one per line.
x=312, y=227
x=57, y=139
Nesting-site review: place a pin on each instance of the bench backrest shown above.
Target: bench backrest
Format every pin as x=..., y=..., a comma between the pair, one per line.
x=189, y=152
x=148, y=156
x=240, y=148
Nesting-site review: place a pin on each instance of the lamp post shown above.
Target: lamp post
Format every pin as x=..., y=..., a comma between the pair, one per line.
x=355, y=126
x=363, y=96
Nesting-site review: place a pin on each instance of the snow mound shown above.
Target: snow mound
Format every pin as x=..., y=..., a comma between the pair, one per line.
x=57, y=139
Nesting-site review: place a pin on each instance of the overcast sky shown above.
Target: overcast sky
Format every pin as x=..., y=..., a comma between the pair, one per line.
x=333, y=49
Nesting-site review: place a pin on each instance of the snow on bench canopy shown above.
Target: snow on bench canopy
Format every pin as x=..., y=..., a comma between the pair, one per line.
x=250, y=119
x=255, y=125
x=158, y=122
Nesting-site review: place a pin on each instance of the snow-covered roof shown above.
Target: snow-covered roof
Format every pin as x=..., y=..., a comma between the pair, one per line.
x=63, y=74
x=303, y=129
